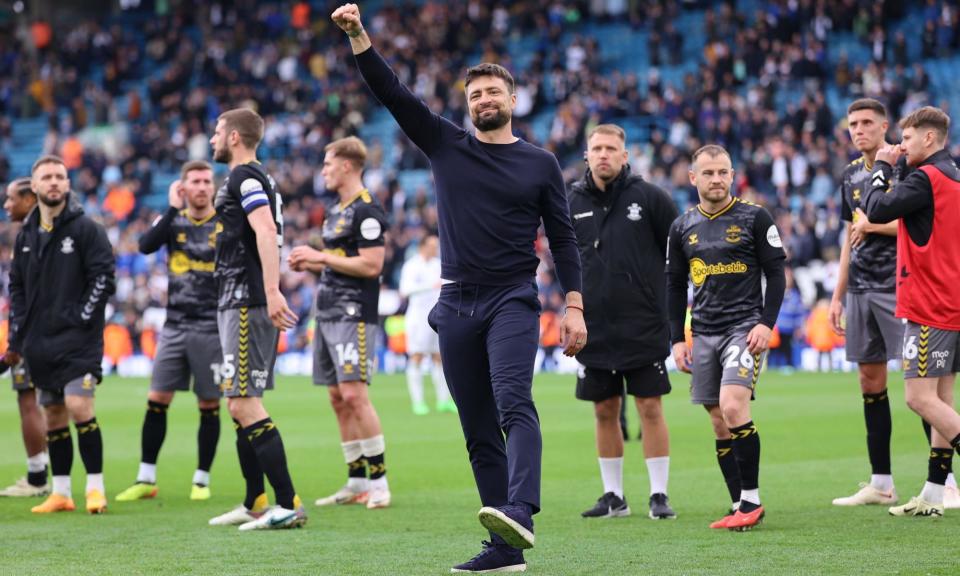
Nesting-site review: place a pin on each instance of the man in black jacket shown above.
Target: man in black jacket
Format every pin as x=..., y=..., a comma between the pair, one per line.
x=622, y=224
x=61, y=278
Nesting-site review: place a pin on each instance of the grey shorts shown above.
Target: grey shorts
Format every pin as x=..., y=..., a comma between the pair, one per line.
x=722, y=360
x=20, y=376
x=874, y=334
x=82, y=386
x=930, y=352
x=185, y=350
x=249, y=342
x=343, y=352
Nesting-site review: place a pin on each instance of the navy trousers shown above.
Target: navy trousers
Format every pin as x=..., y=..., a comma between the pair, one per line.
x=488, y=343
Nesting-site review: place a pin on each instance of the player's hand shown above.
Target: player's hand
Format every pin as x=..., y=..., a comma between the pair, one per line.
x=347, y=17
x=11, y=358
x=889, y=153
x=175, y=195
x=758, y=340
x=683, y=357
x=573, y=332
x=859, y=228
x=836, y=317
x=281, y=315
x=306, y=259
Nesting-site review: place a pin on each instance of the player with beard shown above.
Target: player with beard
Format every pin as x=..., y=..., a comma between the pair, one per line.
x=726, y=247
x=189, y=345
x=61, y=278
x=19, y=202
x=493, y=190
x=250, y=313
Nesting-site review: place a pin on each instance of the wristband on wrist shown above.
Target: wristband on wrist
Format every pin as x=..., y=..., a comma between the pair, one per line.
x=575, y=307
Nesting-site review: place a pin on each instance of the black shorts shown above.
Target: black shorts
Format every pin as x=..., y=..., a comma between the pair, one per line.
x=596, y=384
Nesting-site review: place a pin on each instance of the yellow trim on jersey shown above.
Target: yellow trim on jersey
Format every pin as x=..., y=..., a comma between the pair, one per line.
x=184, y=212
x=720, y=213
x=364, y=194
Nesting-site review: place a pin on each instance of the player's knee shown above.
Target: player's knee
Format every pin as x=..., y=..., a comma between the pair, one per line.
x=80, y=408
x=733, y=414
x=208, y=404
x=872, y=380
x=353, y=395
x=161, y=397
x=917, y=400
x=57, y=416
x=607, y=410
x=650, y=409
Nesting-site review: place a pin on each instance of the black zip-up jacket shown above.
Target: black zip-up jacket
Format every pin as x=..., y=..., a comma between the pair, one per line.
x=622, y=235
x=59, y=285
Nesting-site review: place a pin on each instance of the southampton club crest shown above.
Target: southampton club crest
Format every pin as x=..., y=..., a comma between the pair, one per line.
x=67, y=245
x=633, y=212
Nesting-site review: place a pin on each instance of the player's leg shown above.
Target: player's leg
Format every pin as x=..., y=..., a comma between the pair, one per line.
x=366, y=424
x=512, y=336
x=741, y=370
x=648, y=385
x=255, y=500
x=726, y=459
x=932, y=399
x=325, y=373
x=152, y=435
x=459, y=318
x=79, y=400
x=705, y=391
x=256, y=355
x=60, y=447
x=602, y=387
x=33, y=430
x=415, y=384
x=204, y=356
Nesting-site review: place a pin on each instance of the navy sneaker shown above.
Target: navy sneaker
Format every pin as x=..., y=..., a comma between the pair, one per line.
x=660, y=507
x=608, y=506
x=511, y=522
x=494, y=558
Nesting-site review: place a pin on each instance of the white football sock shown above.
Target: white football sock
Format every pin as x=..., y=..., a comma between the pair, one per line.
x=61, y=486
x=201, y=477
x=932, y=493
x=611, y=472
x=380, y=482
x=752, y=496
x=951, y=480
x=95, y=482
x=37, y=462
x=882, y=482
x=415, y=382
x=147, y=473
x=659, y=470
x=439, y=383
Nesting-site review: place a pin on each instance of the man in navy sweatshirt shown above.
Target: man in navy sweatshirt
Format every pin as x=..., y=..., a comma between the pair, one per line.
x=493, y=190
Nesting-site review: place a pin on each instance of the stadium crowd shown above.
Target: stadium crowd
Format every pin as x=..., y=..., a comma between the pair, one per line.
x=125, y=105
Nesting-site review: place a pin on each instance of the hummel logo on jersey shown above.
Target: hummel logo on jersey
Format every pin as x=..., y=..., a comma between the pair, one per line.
x=67, y=245
x=878, y=178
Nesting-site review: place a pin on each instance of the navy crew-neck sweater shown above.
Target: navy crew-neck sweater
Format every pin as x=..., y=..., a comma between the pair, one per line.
x=490, y=197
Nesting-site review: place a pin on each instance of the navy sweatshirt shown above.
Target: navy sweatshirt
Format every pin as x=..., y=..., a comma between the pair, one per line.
x=490, y=197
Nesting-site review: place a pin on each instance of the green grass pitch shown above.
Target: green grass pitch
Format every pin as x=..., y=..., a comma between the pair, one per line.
x=811, y=430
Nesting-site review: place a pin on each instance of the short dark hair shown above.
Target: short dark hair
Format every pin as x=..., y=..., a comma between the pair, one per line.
x=928, y=117
x=21, y=186
x=489, y=69
x=47, y=159
x=247, y=123
x=867, y=104
x=610, y=129
x=711, y=150
x=194, y=165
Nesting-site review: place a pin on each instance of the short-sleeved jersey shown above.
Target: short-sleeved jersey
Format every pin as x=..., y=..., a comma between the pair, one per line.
x=239, y=271
x=347, y=229
x=873, y=264
x=192, y=289
x=723, y=254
